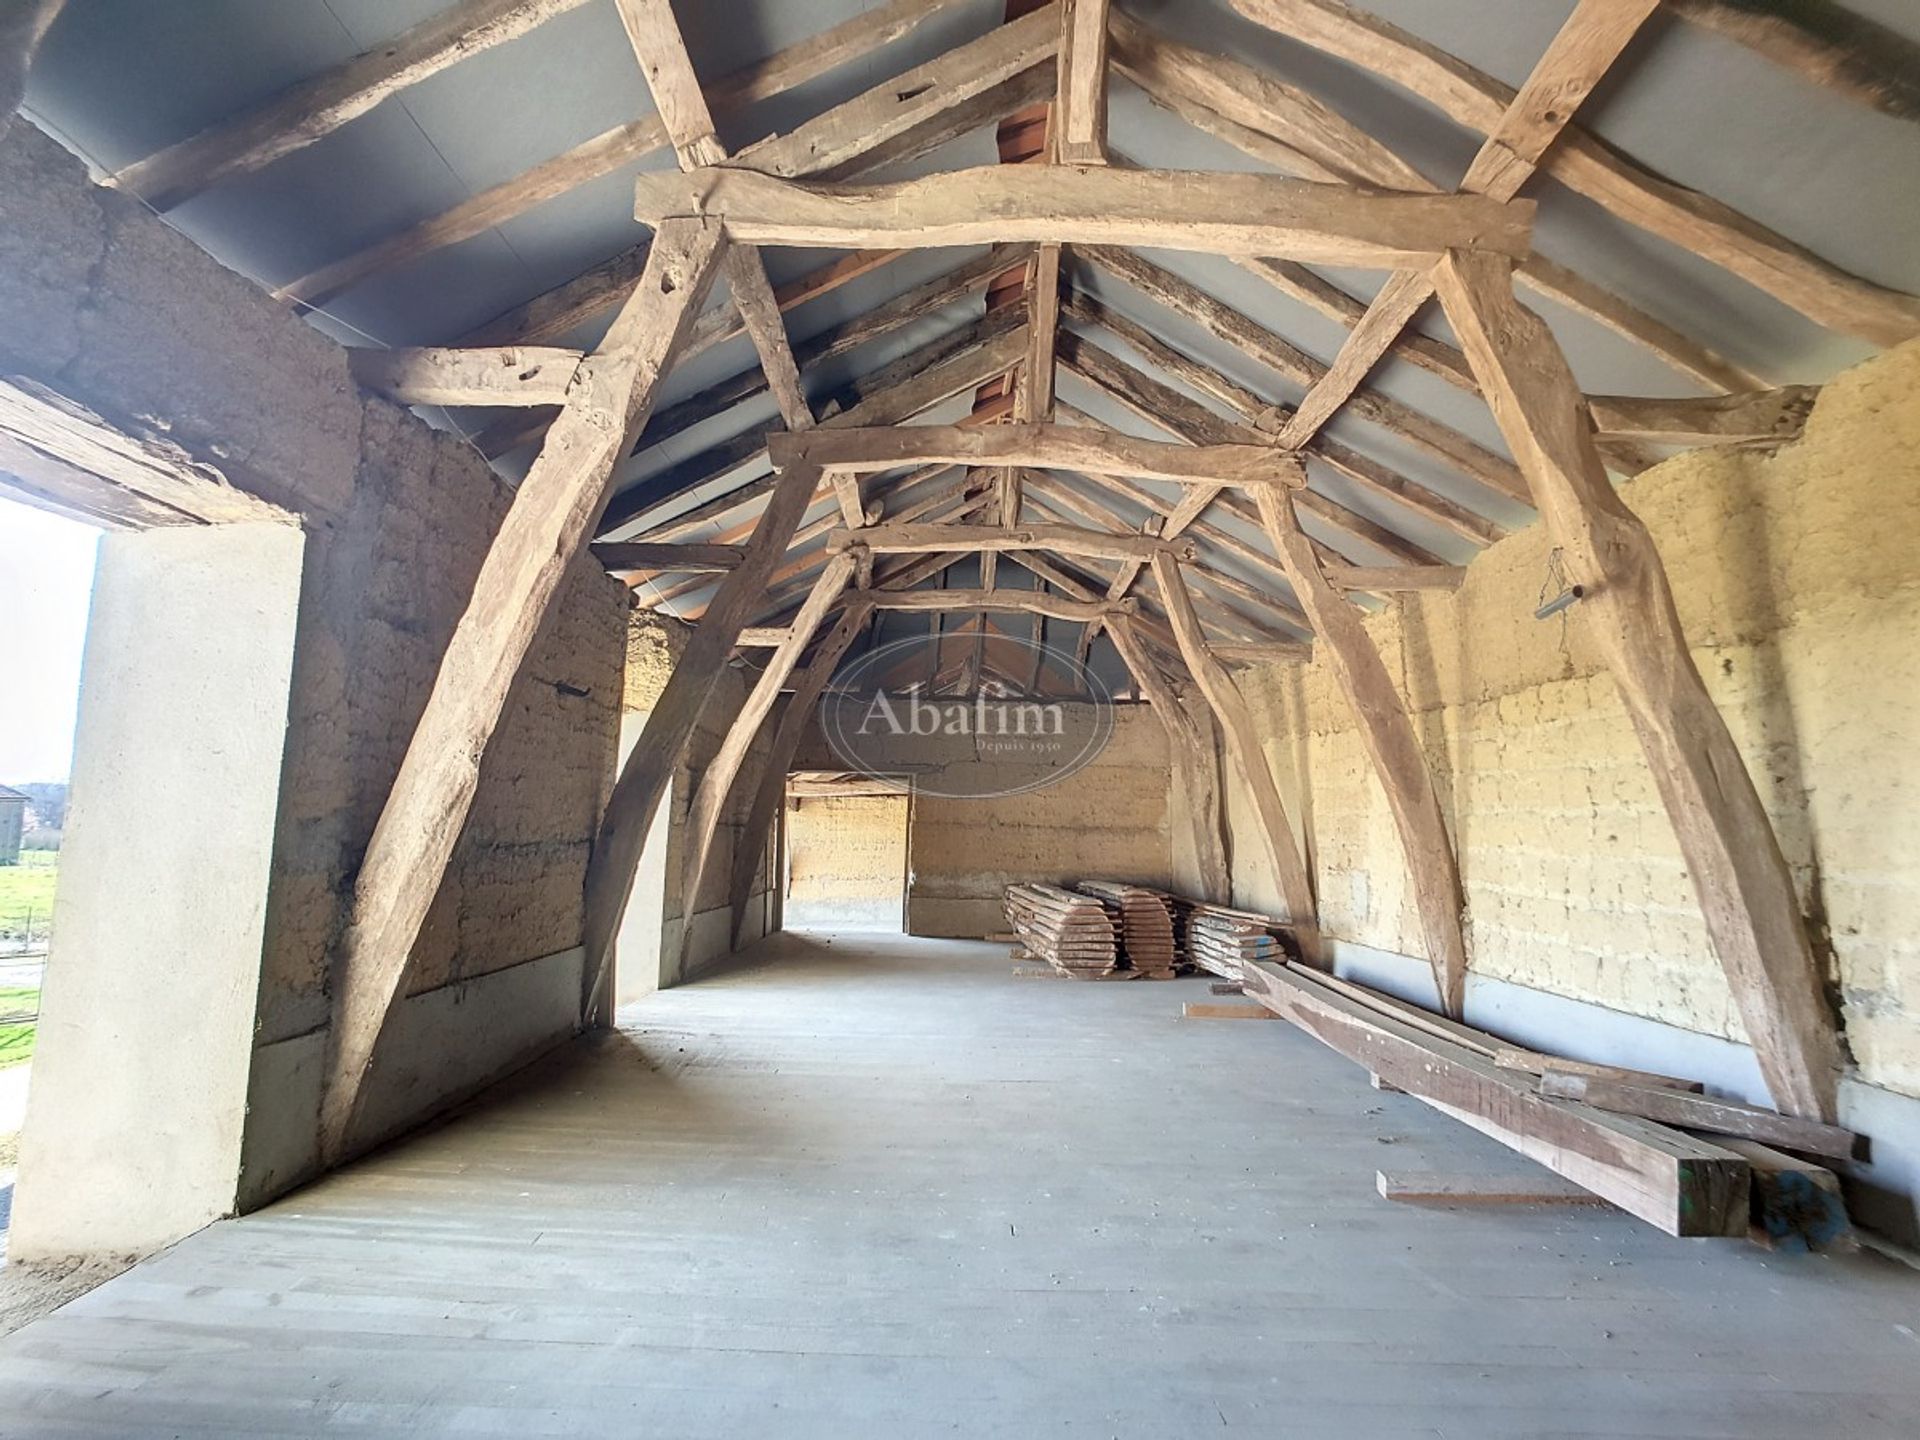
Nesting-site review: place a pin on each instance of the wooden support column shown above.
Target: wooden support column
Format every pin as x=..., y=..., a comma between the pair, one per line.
x=717, y=781
x=1190, y=752
x=786, y=744
x=649, y=769
x=1746, y=891
x=553, y=514
x=1243, y=745
x=662, y=52
x=1391, y=743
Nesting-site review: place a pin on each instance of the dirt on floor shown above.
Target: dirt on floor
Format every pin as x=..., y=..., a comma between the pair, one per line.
x=28, y=1292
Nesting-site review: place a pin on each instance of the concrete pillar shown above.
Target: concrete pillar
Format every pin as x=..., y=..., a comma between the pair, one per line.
x=138, y=1098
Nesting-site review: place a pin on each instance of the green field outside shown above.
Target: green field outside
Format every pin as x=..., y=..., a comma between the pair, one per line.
x=16, y=1041
x=26, y=896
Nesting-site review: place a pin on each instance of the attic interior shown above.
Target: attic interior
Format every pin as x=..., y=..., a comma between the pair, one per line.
x=728, y=635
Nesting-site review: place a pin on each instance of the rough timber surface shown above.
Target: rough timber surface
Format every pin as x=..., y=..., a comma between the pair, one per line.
x=879, y=1187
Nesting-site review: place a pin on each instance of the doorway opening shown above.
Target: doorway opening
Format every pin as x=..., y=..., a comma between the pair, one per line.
x=846, y=865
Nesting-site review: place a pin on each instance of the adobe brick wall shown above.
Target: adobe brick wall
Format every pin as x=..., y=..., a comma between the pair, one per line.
x=1795, y=580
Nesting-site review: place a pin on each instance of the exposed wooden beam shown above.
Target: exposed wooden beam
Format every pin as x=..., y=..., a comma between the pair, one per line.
x=1386, y=730
x=1672, y=1181
x=1790, y=273
x=1274, y=652
x=514, y=375
x=614, y=149
x=722, y=772
x=1039, y=447
x=1029, y=602
x=1733, y=856
x=1227, y=214
x=1079, y=126
x=1765, y=417
x=1825, y=44
x=898, y=391
x=896, y=109
x=1290, y=130
x=550, y=520
x=793, y=727
x=1698, y=1112
x=23, y=25
x=662, y=53
x=640, y=555
x=1193, y=761
x=649, y=769
x=1395, y=577
x=1242, y=737
x=1170, y=409
x=1063, y=539
x=311, y=110
x=1586, y=47
x=1410, y=427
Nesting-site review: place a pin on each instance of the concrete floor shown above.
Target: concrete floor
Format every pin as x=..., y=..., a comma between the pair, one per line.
x=881, y=1187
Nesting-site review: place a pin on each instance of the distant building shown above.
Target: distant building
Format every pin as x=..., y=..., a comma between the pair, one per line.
x=13, y=824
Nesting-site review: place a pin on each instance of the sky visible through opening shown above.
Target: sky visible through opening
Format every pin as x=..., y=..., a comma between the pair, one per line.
x=46, y=586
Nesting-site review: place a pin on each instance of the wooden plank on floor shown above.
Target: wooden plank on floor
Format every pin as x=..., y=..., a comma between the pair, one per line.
x=1204, y=1010
x=1427, y=1187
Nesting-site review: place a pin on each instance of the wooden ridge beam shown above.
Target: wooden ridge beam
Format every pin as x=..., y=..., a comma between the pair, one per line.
x=1242, y=738
x=1381, y=578
x=613, y=150
x=1746, y=891
x=1039, y=447
x=310, y=110
x=899, y=539
x=1790, y=273
x=1221, y=213
x=1386, y=730
x=511, y=375
x=1586, y=47
x=549, y=522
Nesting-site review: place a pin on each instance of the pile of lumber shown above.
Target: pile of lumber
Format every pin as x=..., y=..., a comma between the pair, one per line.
x=1073, y=933
x=1222, y=941
x=1147, y=927
x=1654, y=1145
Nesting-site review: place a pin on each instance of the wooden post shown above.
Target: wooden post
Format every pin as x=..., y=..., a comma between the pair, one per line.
x=1243, y=745
x=1391, y=743
x=553, y=514
x=649, y=768
x=786, y=743
x=1745, y=889
x=1188, y=750
x=716, y=783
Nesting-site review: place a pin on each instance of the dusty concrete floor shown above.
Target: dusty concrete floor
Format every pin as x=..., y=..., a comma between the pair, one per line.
x=883, y=1188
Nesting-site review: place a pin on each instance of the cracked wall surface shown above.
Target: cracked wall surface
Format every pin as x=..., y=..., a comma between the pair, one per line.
x=1795, y=581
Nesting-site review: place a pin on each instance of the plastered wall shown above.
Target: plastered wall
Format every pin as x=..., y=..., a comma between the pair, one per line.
x=846, y=862
x=1796, y=582
x=1108, y=820
x=105, y=307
